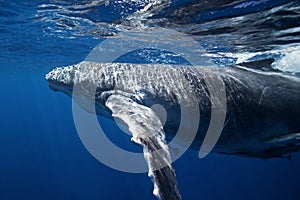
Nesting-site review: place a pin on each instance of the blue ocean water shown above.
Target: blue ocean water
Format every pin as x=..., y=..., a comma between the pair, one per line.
x=41, y=154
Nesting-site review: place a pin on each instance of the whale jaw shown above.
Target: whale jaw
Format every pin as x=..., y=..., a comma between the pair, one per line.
x=62, y=79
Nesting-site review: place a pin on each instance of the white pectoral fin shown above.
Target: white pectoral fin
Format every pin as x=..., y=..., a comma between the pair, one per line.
x=141, y=120
x=147, y=130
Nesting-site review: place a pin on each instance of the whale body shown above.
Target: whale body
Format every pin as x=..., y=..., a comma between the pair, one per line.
x=261, y=116
x=262, y=105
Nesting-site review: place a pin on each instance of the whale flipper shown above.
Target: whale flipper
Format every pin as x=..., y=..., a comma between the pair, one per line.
x=263, y=65
x=147, y=130
x=285, y=140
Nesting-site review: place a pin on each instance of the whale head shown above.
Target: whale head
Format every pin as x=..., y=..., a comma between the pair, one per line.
x=62, y=79
x=84, y=82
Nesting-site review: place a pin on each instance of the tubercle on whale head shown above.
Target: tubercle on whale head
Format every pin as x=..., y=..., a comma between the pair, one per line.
x=62, y=79
x=84, y=83
x=84, y=75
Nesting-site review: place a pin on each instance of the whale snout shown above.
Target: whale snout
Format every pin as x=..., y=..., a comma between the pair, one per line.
x=63, y=75
x=61, y=79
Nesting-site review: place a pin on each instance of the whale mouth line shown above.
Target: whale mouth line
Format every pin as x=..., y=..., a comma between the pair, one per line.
x=57, y=86
x=53, y=86
x=53, y=83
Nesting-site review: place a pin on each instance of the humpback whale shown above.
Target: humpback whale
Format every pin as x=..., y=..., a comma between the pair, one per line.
x=261, y=113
